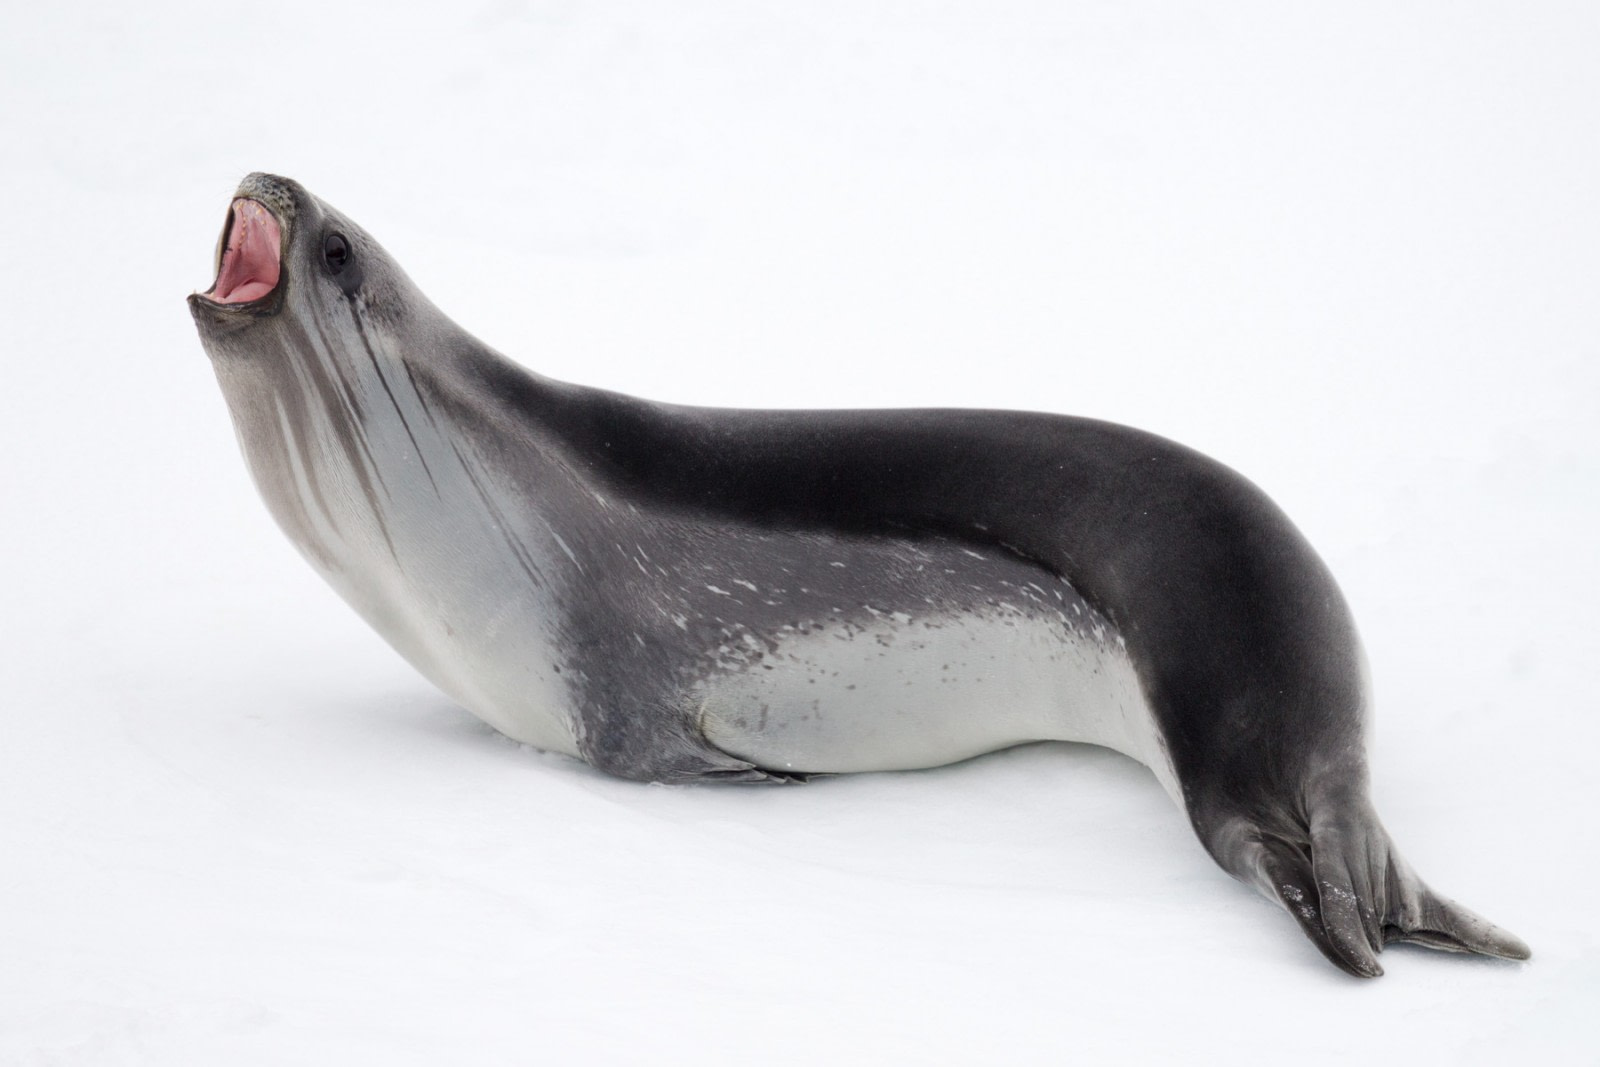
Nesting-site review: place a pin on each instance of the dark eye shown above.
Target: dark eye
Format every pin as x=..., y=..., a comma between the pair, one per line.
x=335, y=252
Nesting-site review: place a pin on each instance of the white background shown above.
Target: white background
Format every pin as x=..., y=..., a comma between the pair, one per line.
x=1349, y=249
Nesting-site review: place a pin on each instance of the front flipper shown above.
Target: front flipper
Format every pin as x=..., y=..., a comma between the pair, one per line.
x=657, y=743
x=1350, y=890
x=754, y=776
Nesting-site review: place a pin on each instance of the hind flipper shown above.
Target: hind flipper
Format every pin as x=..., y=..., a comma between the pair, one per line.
x=1419, y=915
x=1327, y=912
x=1350, y=890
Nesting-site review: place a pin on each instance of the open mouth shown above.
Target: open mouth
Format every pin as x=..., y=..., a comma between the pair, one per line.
x=248, y=266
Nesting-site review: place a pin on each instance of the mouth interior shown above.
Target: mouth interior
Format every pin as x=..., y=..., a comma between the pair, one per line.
x=248, y=267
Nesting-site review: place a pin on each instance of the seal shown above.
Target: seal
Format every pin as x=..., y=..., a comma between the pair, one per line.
x=680, y=594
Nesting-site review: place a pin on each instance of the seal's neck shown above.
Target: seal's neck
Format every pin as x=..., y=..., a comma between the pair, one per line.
x=405, y=466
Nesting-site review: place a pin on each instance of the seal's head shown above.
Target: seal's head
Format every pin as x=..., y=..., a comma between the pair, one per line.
x=283, y=248
x=311, y=327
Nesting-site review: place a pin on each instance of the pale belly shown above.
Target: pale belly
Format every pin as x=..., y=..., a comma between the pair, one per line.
x=897, y=692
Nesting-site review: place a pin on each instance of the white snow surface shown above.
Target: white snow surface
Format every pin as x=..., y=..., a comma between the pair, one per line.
x=1350, y=249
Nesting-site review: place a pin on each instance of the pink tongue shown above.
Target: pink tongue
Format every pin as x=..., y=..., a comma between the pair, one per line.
x=249, y=268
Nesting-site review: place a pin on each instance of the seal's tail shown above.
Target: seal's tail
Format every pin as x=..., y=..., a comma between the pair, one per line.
x=1352, y=893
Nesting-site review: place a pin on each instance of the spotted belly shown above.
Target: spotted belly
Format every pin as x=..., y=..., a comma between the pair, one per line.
x=1003, y=657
